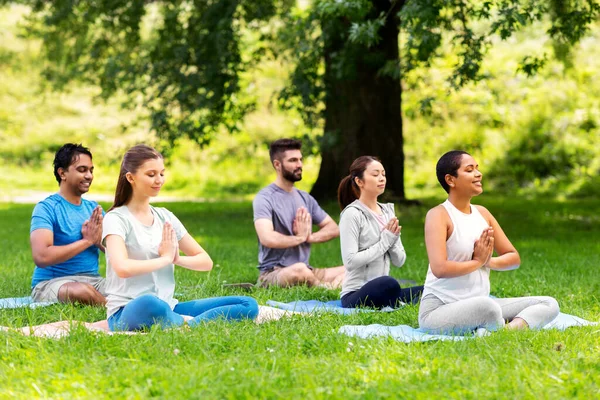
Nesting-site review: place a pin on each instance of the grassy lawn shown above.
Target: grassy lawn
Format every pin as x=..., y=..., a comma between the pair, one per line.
x=305, y=357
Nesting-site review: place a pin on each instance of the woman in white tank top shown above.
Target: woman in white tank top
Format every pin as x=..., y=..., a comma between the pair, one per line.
x=461, y=239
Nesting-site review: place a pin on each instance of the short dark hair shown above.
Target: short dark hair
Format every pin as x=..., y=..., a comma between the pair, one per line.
x=66, y=156
x=448, y=164
x=280, y=146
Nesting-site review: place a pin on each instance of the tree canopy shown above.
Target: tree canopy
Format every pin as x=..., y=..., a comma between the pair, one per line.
x=182, y=61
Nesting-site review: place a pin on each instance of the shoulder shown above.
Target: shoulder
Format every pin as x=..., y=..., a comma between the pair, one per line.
x=351, y=212
x=50, y=201
x=438, y=212
x=388, y=208
x=47, y=206
x=484, y=213
x=265, y=194
x=482, y=210
x=119, y=213
x=89, y=203
x=163, y=213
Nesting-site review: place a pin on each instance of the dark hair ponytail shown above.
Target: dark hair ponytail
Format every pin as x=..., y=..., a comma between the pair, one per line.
x=132, y=161
x=348, y=190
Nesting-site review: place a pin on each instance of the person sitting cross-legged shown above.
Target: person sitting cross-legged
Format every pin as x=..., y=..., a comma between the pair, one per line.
x=65, y=234
x=143, y=245
x=370, y=240
x=461, y=239
x=283, y=218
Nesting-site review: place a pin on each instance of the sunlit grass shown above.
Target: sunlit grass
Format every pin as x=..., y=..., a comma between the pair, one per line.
x=305, y=357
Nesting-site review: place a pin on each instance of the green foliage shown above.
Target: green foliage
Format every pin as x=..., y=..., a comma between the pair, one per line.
x=304, y=356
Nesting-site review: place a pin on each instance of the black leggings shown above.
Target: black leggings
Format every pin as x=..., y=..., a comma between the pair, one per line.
x=381, y=292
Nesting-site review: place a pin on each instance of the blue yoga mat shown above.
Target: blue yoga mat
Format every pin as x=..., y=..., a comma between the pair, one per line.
x=407, y=334
x=20, y=302
x=402, y=333
x=311, y=306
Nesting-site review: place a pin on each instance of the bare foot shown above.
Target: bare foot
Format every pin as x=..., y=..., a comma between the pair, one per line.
x=517, y=323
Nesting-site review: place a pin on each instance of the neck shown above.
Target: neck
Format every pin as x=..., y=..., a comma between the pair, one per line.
x=284, y=183
x=462, y=203
x=139, y=204
x=73, y=198
x=370, y=201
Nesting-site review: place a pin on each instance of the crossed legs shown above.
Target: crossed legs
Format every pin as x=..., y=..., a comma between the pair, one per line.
x=301, y=274
x=484, y=312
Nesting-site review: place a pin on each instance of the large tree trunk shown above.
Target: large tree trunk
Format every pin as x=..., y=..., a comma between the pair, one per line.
x=362, y=110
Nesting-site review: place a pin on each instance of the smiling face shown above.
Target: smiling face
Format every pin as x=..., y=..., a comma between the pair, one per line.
x=149, y=178
x=373, y=180
x=468, y=179
x=78, y=177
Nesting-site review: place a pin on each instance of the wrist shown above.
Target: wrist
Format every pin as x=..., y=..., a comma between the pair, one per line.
x=301, y=239
x=166, y=259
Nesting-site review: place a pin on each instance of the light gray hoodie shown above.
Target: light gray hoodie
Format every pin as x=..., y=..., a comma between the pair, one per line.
x=367, y=248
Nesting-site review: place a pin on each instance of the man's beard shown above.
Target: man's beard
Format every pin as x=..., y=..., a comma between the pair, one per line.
x=292, y=176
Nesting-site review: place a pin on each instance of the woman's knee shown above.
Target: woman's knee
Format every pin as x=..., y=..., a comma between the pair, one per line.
x=552, y=304
x=387, y=283
x=149, y=305
x=251, y=306
x=488, y=310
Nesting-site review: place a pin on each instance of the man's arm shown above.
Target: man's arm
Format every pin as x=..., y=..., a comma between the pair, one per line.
x=269, y=237
x=45, y=253
x=328, y=230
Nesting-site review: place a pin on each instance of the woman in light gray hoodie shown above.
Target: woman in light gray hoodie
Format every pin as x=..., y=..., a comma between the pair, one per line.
x=370, y=239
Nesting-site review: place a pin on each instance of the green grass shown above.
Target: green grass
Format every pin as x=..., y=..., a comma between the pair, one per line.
x=304, y=357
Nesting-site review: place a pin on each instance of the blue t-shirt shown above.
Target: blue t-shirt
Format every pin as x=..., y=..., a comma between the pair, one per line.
x=64, y=220
x=280, y=206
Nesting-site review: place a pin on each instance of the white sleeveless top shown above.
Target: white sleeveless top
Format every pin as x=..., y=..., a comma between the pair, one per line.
x=459, y=247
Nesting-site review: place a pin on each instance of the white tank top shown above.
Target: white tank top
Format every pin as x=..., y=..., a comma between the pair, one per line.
x=459, y=247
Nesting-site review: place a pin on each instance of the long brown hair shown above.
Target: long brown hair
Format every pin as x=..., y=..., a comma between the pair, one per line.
x=132, y=160
x=348, y=191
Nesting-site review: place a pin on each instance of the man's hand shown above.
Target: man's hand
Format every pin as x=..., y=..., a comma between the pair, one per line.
x=91, y=230
x=302, y=226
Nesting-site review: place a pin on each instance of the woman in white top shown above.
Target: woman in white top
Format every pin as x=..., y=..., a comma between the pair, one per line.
x=370, y=239
x=461, y=239
x=142, y=247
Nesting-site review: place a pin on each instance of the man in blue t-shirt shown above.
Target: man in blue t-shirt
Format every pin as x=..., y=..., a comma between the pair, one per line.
x=65, y=234
x=283, y=218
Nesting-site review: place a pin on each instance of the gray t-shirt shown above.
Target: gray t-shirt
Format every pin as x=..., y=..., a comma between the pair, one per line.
x=280, y=207
x=142, y=243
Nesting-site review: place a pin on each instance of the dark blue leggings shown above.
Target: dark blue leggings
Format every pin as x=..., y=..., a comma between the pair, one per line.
x=148, y=310
x=381, y=292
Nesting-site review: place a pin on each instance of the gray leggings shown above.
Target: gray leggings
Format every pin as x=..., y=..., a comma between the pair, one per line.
x=484, y=312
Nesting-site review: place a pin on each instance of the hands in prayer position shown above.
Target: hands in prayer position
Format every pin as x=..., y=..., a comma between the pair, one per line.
x=91, y=230
x=302, y=226
x=169, y=247
x=484, y=247
x=393, y=226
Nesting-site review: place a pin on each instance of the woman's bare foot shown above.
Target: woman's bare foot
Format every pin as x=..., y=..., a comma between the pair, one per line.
x=517, y=323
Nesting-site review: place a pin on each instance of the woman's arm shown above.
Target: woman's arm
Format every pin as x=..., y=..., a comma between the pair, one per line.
x=397, y=253
x=349, y=234
x=437, y=222
x=195, y=257
x=125, y=267
x=508, y=258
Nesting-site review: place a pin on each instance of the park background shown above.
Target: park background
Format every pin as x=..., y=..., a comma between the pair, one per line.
x=537, y=141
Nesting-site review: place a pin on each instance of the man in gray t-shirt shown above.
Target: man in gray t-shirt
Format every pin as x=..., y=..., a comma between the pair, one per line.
x=283, y=218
